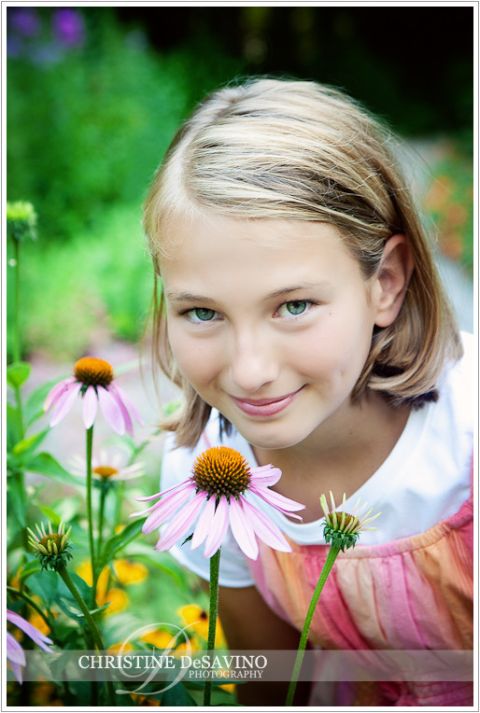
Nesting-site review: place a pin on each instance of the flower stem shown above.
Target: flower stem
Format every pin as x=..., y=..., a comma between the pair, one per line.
x=89, y=434
x=97, y=639
x=212, y=617
x=329, y=562
x=31, y=603
x=119, y=499
x=101, y=513
x=17, y=349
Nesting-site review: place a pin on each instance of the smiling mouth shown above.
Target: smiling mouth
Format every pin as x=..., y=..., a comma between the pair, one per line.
x=266, y=407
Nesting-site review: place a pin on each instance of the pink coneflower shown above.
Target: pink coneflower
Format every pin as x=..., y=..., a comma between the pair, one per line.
x=93, y=379
x=108, y=465
x=221, y=493
x=15, y=652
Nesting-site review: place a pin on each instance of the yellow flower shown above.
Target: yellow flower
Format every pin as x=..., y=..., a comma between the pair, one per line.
x=185, y=649
x=159, y=638
x=120, y=648
x=84, y=570
x=117, y=600
x=229, y=687
x=39, y=622
x=195, y=619
x=128, y=572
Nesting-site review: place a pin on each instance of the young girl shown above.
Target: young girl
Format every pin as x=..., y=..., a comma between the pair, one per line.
x=303, y=319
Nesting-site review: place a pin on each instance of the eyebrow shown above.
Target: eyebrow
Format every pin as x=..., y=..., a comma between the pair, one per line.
x=190, y=297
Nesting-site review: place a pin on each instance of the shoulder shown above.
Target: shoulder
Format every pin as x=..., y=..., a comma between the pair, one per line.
x=454, y=410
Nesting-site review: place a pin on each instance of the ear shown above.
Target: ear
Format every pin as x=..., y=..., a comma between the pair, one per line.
x=392, y=278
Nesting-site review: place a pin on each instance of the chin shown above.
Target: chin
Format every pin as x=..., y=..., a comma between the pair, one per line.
x=273, y=440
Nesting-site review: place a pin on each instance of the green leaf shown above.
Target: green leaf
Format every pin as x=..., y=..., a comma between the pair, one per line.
x=30, y=443
x=13, y=426
x=117, y=542
x=177, y=696
x=45, y=585
x=50, y=513
x=33, y=408
x=46, y=464
x=16, y=500
x=30, y=568
x=18, y=373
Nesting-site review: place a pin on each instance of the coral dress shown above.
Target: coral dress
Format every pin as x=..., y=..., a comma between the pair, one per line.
x=413, y=593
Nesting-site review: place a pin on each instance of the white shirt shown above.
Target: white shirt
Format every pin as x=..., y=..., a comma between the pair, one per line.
x=425, y=479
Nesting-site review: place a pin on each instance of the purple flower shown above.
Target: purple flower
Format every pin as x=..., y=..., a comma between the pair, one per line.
x=69, y=27
x=15, y=653
x=222, y=492
x=93, y=379
x=25, y=21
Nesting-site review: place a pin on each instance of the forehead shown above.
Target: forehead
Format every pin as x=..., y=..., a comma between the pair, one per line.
x=205, y=240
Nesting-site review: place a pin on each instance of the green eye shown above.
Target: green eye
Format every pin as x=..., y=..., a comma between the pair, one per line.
x=296, y=307
x=199, y=314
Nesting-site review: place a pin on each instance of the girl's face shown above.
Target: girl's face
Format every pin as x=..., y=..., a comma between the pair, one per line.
x=271, y=323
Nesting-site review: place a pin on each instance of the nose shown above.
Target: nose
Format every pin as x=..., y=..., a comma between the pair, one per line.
x=254, y=364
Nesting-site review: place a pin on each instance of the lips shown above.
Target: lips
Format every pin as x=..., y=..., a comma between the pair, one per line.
x=266, y=407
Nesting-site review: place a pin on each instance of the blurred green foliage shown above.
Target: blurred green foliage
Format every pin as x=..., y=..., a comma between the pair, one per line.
x=88, y=124
x=89, y=118
x=95, y=283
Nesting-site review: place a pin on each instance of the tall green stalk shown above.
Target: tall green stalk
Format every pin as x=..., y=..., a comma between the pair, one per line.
x=90, y=622
x=101, y=516
x=17, y=349
x=91, y=541
x=329, y=562
x=212, y=617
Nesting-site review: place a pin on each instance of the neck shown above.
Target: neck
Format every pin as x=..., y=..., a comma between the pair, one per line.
x=345, y=450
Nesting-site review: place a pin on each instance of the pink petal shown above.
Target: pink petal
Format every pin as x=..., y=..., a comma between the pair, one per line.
x=17, y=672
x=56, y=391
x=132, y=410
x=204, y=523
x=219, y=528
x=31, y=631
x=117, y=395
x=280, y=502
x=171, y=504
x=111, y=410
x=267, y=475
x=65, y=402
x=242, y=530
x=183, y=522
x=90, y=405
x=267, y=530
x=15, y=653
x=186, y=485
x=164, y=492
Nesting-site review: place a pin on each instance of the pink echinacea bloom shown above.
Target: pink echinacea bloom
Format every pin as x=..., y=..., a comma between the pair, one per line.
x=93, y=379
x=221, y=492
x=15, y=652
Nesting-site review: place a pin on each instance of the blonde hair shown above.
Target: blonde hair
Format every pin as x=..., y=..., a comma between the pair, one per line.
x=286, y=149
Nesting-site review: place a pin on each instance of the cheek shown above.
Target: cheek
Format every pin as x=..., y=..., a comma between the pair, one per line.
x=335, y=349
x=196, y=358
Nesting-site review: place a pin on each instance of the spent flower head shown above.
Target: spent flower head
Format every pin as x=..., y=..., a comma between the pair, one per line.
x=341, y=528
x=52, y=548
x=221, y=492
x=21, y=221
x=93, y=380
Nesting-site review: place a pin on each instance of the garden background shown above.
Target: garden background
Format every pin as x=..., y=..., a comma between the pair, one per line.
x=94, y=97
